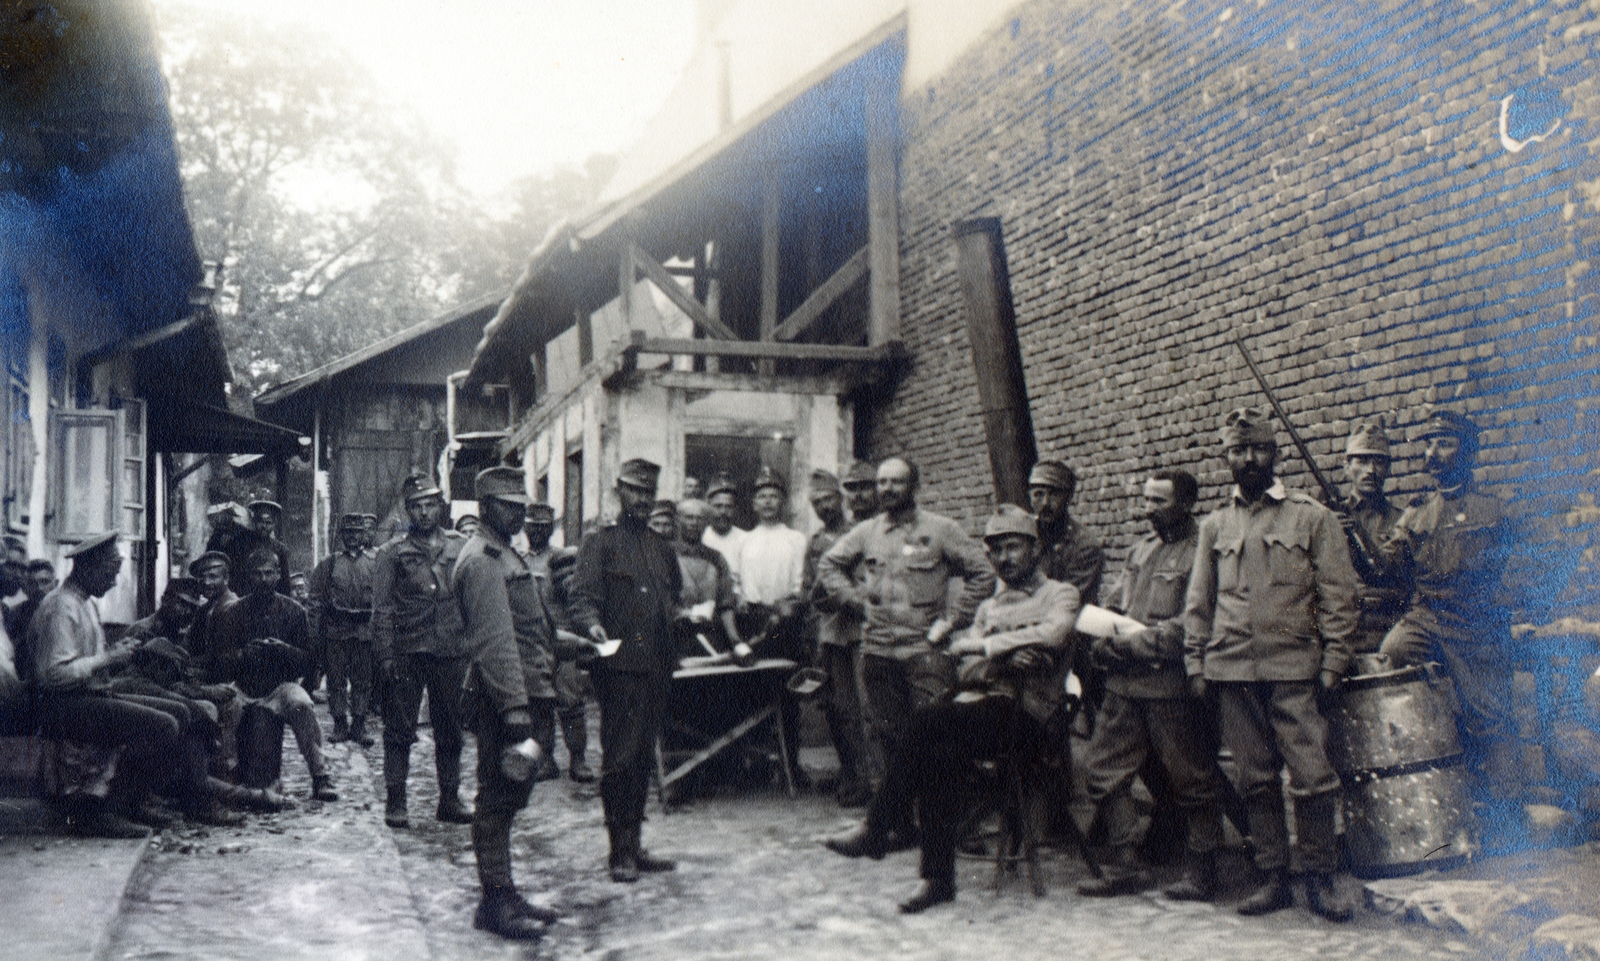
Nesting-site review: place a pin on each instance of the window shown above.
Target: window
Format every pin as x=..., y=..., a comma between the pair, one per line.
x=98, y=472
x=21, y=452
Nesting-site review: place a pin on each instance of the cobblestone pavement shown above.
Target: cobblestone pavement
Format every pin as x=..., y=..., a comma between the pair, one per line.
x=330, y=881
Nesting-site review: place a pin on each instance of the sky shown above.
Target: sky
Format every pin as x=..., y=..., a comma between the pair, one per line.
x=520, y=86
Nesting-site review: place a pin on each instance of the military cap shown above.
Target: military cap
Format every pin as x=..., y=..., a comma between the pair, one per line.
x=502, y=483
x=639, y=473
x=418, y=486
x=208, y=559
x=187, y=588
x=1011, y=519
x=541, y=512
x=1369, y=438
x=664, y=508
x=94, y=543
x=1451, y=424
x=768, y=477
x=860, y=474
x=370, y=520
x=1052, y=473
x=352, y=522
x=823, y=482
x=1246, y=425
x=721, y=484
x=264, y=505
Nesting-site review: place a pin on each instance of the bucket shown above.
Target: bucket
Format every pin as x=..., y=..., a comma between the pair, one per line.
x=1408, y=799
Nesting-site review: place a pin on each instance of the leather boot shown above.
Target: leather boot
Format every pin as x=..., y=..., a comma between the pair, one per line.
x=451, y=809
x=1199, y=881
x=1324, y=897
x=1122, y=874
x=341, y=730
x=1274, y=894
x=358, y=731
x=500, y=913
x=394, y=807
x=322, y=788
x=933, y=892
x=624, y=843
x=863, y=842
x=653, y=865
x=579, y=770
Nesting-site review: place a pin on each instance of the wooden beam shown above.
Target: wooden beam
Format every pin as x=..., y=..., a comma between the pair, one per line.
x=771, y=197
x=823, y=297
x=828, y=384
x=890, y=350
x=658, y=275
x=883, y=205
x=586, y=335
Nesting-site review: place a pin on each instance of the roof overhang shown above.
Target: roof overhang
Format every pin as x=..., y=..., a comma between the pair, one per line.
x=177, y=426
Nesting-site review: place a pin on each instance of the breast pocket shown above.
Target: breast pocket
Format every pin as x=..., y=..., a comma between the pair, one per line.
x=1229, y=552
x=924, y=579
x=1289, y=557
x=417, y=574
x=1167, y=593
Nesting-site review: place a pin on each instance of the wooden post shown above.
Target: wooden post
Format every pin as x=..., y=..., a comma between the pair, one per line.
x=626, y=274
x=883, y=205
x=771, y=195
x=714, y=299
x=586, y=332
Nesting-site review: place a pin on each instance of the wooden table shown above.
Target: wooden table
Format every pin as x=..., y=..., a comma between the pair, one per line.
x=691, y=684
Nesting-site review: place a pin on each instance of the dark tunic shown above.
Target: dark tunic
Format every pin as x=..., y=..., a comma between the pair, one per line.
x=252, y=617
x=1073, y=556
x=628, y=580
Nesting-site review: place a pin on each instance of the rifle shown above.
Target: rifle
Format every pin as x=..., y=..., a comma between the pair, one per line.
x=1367, y=555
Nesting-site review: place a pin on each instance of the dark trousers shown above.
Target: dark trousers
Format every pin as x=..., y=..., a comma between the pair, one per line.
x=349, y=664
x=1270, y=725
x=842, y=708
x=565, y=710
x=631, y=708
x=1127, y=733
x=164, y=745
x=786, y=638
x=442, y=678
x=895, y=687
x=931, y=771
x=499, y=797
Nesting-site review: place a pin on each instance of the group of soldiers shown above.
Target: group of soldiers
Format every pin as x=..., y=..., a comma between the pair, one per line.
x=939, y=651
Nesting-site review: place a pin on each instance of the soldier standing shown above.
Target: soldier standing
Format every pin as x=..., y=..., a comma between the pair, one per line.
x=838, y=632
x=567, y=708
x=723, y=536
x=416, y=639
x=860, y=491
x=508, y=637
x=1268, y=617
x=341, y=597
x=1071, y=554
x=266, y=517
x=1146, y=710
x=1455, y=542
x=1382, y=594
x=627, y=586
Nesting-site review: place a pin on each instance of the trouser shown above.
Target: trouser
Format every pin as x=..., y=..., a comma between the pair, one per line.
x=163, y=746
x=1480, y=670
x=842, y=708
x=1270, y=725
x=931, y=771
x=631, y=709
x=499, y=797
x=567, y=709
x=1127, y=733
x=895, y=687
x=349, y=665
x=290, y=702
x=442, y=678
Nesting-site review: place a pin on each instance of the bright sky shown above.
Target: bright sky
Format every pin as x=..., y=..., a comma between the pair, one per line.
x=520, y=86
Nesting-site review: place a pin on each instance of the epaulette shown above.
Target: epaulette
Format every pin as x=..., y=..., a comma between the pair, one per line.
x=492, y=551
x=1302, y=497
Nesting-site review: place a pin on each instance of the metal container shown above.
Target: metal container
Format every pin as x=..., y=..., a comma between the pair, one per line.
x=1408, y=800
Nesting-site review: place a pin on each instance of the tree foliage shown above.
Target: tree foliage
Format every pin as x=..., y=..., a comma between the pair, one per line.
x=334, y=214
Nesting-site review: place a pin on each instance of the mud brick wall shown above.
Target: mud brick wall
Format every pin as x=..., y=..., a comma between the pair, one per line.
x=1328, y=178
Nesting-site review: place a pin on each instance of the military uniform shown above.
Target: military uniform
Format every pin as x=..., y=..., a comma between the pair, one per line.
x=1069, y=553
x=341, y=592
x=1271, y=605
x=1455, y=543
x=837, y=629
x=416, y=639
x=567, y=707
x=1384, y=591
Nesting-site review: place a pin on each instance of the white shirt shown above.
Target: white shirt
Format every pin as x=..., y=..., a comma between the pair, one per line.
x=728, y=546
x=772, y=564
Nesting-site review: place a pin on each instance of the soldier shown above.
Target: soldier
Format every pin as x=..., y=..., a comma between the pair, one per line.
x=705, y=579
x=230, y=538
x=508, y=638
x=341, y=592
x=369, y=533
x=910, y=556
x=838, y=633
x=1381, y=597
x=1146, y=710
x=1267, y=623
x=1454, y=542
x=1071, y=554
x=664, y=519
x=693, y=488
x=628, y=586
x=539, y=526
x=213, y=570
x=265, y=519
x=1018, y=652
x=860, y=491
x=722, y=535
x=416, y=640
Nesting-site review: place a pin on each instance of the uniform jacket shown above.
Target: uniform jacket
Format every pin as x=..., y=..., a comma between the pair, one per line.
x=1272, y=595
x=251, y=617
x=414, y=610
x=67, y=642
x=907, y=567
x=1455, y=544
x=341, y=594
x=836, y=623
x=1385, y=587
x=1074, y=556
x=509, y=634
x=1040, y=613
x=628, y=581
x=1151, y=590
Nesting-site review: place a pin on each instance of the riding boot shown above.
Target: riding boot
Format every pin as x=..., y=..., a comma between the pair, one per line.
x=394, y=808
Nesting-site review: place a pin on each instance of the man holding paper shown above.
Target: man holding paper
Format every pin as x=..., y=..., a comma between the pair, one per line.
x=625, y=593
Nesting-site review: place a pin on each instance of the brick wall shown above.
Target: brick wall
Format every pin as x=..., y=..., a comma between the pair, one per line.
x=1326, y=177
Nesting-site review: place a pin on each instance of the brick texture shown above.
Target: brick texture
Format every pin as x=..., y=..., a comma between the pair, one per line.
x=1327, y=178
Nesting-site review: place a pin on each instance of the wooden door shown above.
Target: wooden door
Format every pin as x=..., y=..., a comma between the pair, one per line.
x=366, y=470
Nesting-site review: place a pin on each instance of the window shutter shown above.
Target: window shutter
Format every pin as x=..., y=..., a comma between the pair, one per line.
x=86, y=452
x=131, y=491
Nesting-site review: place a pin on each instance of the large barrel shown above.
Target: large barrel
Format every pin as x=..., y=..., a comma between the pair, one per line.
x=1408, y=803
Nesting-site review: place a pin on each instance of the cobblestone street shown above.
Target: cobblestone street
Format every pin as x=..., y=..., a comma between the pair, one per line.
x=330, y=881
